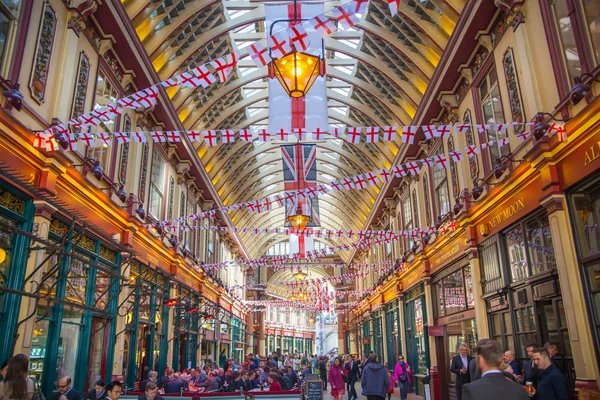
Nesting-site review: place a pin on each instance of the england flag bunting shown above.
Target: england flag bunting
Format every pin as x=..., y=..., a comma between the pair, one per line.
x=246, y=135
x=335, y=131
x=263, y=135
x=323, y=25
x=298, y=37
x=345, y=17
x=138, y=137
x=384, y=174
x=173, y=136
x=429, y=131
x=158, y=137
x=372, y=134
x=279, y=44
x=210, y=137
x=354, y=135
x=228, y=136
x=259, y=54
x=408, y=134
x=389, y=133
x=393, y=5
x=194, y=136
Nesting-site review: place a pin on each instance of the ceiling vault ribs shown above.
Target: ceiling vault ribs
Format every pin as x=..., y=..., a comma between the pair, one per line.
x=376, y=75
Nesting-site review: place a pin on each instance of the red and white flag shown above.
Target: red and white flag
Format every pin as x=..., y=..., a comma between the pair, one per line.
x=158, y=137
x=360, y=182
x=228, y=136
x=263, y=135
x=194, y=136
x=298, y=37
x=372, y=134
x=354, y=135
x=345, y=16
x=393, y=5
x=429, y=131
x=319, y=134
x=210, y=137
x=138, y=137
x=87, y=138
x=385, y=174
x=335, y=131
x=245, y=135
x=408, y=134
x=323, y=25
x=441, y=161
x=299, y=133
x=146, y=98
x=413, y=168
x=173, y=136
x=279, y=44
x=389, y=133
x=399, y=171
x=259, y=54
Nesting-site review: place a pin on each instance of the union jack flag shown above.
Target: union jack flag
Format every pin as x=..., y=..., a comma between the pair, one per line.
x=300, y=172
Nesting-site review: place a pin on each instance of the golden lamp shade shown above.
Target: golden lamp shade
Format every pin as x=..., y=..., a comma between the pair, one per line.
x=299, y=220
x=297, y=72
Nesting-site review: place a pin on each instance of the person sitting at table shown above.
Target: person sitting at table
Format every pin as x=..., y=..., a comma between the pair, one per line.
x=245, y=380
x=275, y=386
x=283, y=380
x=175, y=385
x=151, y=392
x=211, y=384
x=292, y=376
x=264, y=375
x=254, y=380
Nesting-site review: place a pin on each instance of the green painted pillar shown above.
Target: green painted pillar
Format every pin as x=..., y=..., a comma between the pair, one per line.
x=54, y=341
x=12, y=301
x=132, y=362
x=194, y=341
x=113, y=305
x=85, y=337
x=176, y=345
x=150, y=343
x=164, y=341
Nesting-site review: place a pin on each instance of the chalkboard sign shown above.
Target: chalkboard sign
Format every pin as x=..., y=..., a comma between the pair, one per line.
x=314, y=390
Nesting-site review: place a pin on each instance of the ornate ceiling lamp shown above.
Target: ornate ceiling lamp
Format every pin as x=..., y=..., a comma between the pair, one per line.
x=299, y=220
x=300, y=275
x=297, y=72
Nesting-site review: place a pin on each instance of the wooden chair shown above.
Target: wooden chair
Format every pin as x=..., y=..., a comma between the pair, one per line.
x=588, y=394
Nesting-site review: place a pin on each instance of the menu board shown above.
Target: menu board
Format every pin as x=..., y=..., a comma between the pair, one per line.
x=314, y=390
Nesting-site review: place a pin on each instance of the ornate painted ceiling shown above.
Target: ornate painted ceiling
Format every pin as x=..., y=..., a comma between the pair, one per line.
x=376, y=76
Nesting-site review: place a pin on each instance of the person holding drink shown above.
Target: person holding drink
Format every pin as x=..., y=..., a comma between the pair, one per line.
x=552, y=385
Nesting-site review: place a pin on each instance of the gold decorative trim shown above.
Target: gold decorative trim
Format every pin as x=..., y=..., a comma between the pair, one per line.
x=58, y=227
x=12, y=202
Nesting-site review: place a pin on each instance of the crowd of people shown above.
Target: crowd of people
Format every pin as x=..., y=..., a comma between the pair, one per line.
x=496, y=374
x=490, y=374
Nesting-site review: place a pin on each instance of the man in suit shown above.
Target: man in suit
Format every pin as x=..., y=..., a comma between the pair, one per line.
x=211, y=384
x=552, y=384
x=151, y=392
x=152, y=377
x=65, y=391
x=510, y=361
x=493, y=384
x=460, y=367
x=530, y=371
x=114, y=390
x=175, y=386
x=474, y=373
x=353, y=375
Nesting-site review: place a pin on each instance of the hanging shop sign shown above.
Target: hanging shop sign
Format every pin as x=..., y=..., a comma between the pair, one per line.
x=461, y=316
x=366, y=341
x=436, y=330
x=239, y=346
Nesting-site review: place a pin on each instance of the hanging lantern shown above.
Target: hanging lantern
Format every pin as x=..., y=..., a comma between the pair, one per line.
x=299, y=275
x=297, y=72
x=299, y=220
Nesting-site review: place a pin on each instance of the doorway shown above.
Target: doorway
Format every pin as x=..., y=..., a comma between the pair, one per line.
x=553, y=328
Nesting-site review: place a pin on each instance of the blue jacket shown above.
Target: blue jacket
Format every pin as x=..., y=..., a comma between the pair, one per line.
x=375, y=380
x=552, y=385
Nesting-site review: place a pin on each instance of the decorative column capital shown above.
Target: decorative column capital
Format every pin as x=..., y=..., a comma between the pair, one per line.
x=514, y=10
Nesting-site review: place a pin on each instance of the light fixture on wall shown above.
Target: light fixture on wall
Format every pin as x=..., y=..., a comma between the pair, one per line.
x=580, y=90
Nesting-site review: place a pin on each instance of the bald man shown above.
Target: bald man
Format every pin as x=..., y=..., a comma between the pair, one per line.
x=510, y=361
x=65, y=390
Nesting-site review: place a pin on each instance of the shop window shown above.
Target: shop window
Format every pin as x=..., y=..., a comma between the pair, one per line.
x=491, y=270
x=454, y=293
x=407, y=220
x=157, y=182
x=501, y=329
x=526, y=328
x=106, y=93
x=440, y=188
x=459, y=333
x=9, y=14
x=7, y=239
x=530, y=249
x=491, y=106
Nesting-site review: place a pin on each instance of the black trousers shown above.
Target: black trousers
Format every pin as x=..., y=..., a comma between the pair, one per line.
x=324, y=379
x=372, y=397
x=351, y=389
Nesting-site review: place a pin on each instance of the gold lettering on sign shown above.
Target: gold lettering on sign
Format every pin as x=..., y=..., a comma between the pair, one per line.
x=508, y=212
x=153, y=260
x=446, y=255
x=592, y=154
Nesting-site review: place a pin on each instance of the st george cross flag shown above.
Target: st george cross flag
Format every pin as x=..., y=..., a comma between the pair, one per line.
x=246, y=135
x=393, y=5
x=389, y=133
x=300, y=172
x=335, y=131
x=279, y=44
x=298, y=37
x=204, y=76
x=259, y=54
x=323, y=25
x=345, y=16
x=408, y=134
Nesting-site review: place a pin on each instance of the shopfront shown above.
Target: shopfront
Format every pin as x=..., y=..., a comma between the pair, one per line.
x=208, y=346
x=415, y=325
x=366, y=338
x=75, y=317
x=145, y=333
x=454, y=314
x=520, y=283
x=378, y=334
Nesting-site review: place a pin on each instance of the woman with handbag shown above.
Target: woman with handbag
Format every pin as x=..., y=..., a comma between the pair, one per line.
x=336, y=379
x=402, y=374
